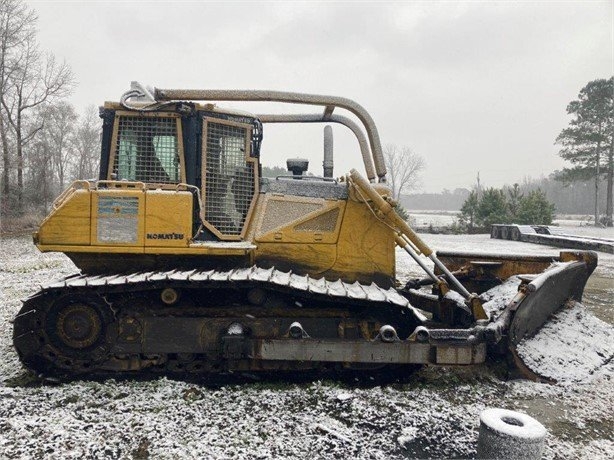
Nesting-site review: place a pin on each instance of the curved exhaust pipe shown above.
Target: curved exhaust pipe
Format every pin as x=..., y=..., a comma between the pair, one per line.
x=363, y=143
x=329, y=103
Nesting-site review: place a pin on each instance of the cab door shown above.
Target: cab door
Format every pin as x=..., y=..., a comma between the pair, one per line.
x=230, y=179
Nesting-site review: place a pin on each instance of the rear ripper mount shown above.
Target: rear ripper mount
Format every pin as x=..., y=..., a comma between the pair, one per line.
x=193, y=263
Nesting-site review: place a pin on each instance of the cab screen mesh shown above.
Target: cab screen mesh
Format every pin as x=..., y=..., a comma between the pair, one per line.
x=147, y=150
x=230, y=178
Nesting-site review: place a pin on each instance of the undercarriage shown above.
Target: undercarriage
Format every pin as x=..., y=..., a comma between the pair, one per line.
x=208, y=321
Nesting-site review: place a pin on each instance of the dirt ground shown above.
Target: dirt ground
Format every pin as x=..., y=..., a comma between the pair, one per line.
x=432, y=413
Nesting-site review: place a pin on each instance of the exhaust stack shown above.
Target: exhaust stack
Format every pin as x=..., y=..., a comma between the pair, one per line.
x=328, y=151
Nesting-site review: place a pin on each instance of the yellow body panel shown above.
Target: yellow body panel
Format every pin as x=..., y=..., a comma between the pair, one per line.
x=366, y=247
x=167, y=218
x=192, y=250
x=98, y=249
x=293, y=219
x=305, y=259
x=356, y=247
x=69, y=223
x=126, y=219
x=337, y=239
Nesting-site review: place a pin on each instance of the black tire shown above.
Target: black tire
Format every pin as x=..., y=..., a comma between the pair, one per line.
x=505, y=233
x=515, y=234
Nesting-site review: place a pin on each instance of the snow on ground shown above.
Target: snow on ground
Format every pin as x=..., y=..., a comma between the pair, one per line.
x=433, y=413
x=581, y=229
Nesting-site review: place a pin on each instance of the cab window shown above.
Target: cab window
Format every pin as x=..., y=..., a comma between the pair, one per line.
x=147, y=150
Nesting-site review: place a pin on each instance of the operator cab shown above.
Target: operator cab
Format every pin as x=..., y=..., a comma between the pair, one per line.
x=192, y=144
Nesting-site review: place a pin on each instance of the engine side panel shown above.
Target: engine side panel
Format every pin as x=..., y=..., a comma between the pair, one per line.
x=122, y=219
x=70, y=220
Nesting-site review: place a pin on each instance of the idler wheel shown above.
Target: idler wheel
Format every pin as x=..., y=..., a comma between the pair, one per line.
x=78, y=326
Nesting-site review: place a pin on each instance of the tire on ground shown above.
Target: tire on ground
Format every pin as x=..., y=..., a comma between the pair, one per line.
x=508, y=434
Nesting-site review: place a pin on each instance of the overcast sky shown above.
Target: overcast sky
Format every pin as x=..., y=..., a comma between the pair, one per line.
x=470, y=86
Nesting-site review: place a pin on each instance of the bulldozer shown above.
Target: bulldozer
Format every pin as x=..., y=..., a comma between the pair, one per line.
x=191, y=262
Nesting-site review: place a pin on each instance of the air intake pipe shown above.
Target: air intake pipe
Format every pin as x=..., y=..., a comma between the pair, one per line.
x=329, y=103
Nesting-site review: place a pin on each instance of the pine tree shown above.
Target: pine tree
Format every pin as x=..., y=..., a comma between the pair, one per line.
x=535, y=209
x=493, y=208
x=588, y=141
x=469, y=210
x=514, y=197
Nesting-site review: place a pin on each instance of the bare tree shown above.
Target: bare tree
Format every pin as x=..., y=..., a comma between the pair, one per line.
x=59, y=127
x=40, y=181
x=6, y=142
x=17, y=25
x=404, y=167
x=86, y=144
x=34, y=80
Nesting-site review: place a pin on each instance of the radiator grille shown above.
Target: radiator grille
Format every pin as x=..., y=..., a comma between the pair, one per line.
x=281, y=213
x=230, y=178
x=147, y=150
x=323, y=223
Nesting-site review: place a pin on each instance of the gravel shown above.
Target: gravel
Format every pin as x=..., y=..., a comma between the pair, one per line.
x=432, y=413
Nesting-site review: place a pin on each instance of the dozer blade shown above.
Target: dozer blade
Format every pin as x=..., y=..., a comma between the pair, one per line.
x=545, y=295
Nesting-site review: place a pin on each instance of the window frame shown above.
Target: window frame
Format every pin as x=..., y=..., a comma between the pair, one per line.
x=248, y=158
x=115, y=147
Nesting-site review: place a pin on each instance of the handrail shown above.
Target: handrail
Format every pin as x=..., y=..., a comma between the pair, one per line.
x=329, y=102
x=76, y=185
x=317, y=118
x=121, y=184
x=307, y=178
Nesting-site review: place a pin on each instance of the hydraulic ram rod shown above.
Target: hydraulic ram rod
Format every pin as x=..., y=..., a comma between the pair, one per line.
x=403, y=243
x=387, y=213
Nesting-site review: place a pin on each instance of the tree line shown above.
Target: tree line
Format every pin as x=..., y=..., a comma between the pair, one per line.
x=45, y=144
x=498, y=206
x=587, y=143
x=568, y=198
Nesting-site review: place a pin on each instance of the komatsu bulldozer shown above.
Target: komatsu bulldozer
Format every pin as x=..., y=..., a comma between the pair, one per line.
x=191, y=262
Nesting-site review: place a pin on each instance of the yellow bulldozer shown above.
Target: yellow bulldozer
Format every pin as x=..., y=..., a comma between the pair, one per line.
x=191, y=262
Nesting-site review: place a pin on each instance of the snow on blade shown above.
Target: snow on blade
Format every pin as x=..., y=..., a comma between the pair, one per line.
x=570, y=347
x=456, y=298
x=495, y=299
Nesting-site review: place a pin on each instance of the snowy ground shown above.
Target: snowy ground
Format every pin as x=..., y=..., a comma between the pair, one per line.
x=431, y=414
